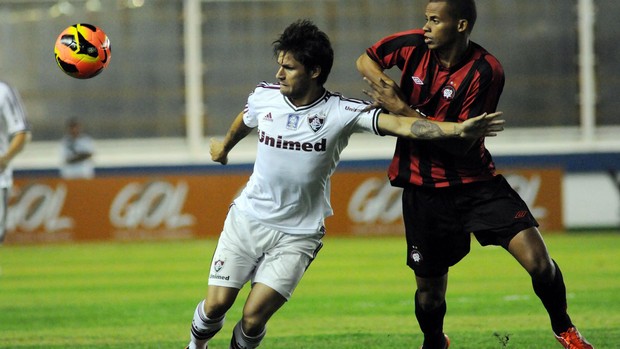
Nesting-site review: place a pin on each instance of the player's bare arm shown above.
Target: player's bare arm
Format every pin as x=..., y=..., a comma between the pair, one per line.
x=409, y=123
x=387, y=94
x=373, y=72
x=17, y=144
x=219, y=149
x=416, y=127
x=485, y=125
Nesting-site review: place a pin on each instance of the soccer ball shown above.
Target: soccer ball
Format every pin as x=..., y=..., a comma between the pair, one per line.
x=82, y=51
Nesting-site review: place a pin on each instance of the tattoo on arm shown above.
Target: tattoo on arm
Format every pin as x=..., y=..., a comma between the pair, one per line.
x=425, y=129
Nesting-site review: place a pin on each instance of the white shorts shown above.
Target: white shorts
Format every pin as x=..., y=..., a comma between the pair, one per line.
x=248, y=250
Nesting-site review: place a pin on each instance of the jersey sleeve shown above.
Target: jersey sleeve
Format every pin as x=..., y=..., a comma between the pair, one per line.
x=12, y=110
x=393, y=50
x=358, y=120
x=368, y=122
x=249, y=115
x=260, y=99
x=484, y=94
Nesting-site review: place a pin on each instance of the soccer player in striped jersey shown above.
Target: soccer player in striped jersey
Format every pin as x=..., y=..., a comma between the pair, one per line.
x=450, y=187
x=273, y=230
x=14, y=134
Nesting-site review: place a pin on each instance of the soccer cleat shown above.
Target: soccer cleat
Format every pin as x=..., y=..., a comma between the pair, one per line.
x=572, y=339
x=447, y=342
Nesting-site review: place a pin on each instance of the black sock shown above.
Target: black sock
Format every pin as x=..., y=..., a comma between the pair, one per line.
x=553, y=297
x=431, y=324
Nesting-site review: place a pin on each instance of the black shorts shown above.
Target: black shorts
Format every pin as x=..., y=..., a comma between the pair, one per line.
x=439, y=222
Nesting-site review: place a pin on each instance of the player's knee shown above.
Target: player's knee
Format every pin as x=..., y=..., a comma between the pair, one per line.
x=219, y=300
x=542, y=269
x=253, y=324
x=216, y=309
x=214, y=313
x=430, y=299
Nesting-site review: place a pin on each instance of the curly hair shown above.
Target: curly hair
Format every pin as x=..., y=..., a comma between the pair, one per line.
x=308, y=45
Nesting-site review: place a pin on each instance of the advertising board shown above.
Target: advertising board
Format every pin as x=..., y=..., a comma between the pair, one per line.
x=180, y=206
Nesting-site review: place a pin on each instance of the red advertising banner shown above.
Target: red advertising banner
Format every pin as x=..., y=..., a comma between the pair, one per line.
x=365, y=203
x=541, y=189
x=120, y=208
x=126, y=207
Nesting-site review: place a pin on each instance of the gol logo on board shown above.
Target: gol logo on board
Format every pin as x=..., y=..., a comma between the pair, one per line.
x=151, y=205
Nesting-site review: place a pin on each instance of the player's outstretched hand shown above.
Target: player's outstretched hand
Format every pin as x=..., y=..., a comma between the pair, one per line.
x=485, y=125
x=385, y=94
x=216, y=149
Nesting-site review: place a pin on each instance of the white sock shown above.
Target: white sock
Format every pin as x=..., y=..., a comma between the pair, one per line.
x=203, y=328
x=242, y=341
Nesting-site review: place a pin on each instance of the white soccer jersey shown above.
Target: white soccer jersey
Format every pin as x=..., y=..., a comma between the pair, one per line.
x=12, y=121
x=298, y=150
x=69, y=148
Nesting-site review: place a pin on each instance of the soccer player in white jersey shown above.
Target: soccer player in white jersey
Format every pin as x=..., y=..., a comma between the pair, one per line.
x=76, y=151
x=14, y=134
x=274, y=228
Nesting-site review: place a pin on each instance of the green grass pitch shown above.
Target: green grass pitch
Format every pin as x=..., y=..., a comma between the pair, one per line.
x=357, y=294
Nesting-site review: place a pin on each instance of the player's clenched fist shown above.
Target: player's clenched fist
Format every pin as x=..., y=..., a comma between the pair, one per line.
x=216, y=149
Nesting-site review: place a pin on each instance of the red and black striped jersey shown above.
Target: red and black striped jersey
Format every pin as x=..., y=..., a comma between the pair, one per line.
x=455, y=94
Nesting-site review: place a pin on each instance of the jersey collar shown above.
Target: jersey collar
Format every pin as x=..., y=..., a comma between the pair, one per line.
x=307, y=106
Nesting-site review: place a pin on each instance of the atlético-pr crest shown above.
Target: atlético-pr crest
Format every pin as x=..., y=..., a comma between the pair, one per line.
x=448, y=93
x=415, y=255
x=316, y=122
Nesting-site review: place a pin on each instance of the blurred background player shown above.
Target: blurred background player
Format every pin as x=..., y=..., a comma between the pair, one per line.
x=274, y=229
x=451, y=188
x=76, y=150
x=14, y=134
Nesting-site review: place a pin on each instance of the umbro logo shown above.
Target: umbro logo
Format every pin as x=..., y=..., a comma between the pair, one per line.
x=520, y=214
x=417, y=80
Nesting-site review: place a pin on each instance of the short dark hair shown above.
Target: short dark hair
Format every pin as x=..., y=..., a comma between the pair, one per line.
x=72, y=122
x=309, y=45
x=462, y=9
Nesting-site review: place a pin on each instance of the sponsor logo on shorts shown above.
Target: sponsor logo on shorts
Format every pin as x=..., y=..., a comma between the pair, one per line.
x=219, y=277
x=217, y=266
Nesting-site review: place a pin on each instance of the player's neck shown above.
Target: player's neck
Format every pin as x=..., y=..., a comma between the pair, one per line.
x=310, y=97
x=452, y=56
